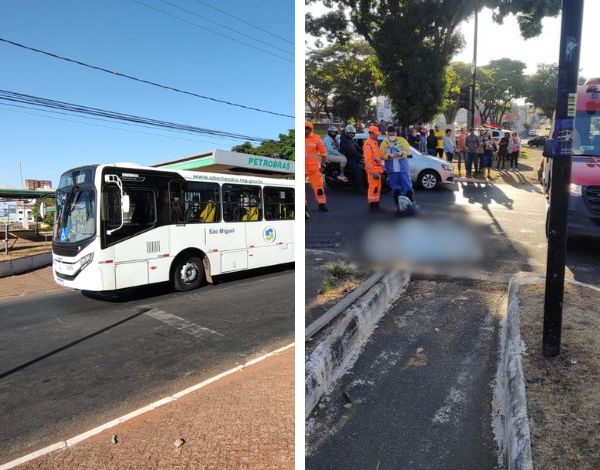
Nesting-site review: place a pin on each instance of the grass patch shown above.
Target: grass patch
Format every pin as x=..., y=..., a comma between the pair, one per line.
x=340, y=272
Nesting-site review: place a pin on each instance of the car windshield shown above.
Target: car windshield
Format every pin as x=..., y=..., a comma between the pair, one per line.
x=586, y=138
x=76, y=215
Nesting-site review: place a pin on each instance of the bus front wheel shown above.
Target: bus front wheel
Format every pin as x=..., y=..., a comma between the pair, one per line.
x=187, y=274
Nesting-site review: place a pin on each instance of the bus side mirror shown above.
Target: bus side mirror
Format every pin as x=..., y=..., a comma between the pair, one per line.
x=548, y=148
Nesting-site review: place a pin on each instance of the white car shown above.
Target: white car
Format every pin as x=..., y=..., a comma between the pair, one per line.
x=425, y=171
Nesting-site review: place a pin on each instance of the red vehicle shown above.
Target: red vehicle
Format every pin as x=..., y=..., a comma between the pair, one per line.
x=584, y=190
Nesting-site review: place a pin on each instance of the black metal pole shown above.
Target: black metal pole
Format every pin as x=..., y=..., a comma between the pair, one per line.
x=474, y=66
x=568, y=68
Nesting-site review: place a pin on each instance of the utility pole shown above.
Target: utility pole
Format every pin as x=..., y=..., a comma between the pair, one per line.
x=21, y=171
x=474, y=70
x=562, y=152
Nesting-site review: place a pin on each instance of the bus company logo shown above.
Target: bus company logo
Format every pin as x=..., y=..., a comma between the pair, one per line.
x=269, y=234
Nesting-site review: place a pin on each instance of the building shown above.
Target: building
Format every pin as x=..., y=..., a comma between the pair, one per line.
x=38, y=184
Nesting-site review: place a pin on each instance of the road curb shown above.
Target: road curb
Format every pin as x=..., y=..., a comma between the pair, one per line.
x=510, y=419
x=340, y=348
x=10, y=267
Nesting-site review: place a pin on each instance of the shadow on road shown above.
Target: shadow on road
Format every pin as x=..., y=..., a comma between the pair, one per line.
x=163, y=288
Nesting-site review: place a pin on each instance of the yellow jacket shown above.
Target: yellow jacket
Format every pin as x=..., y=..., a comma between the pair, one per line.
x=400, y=142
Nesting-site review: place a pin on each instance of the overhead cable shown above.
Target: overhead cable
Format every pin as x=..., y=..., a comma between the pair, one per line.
x=36, y=101
x=141, y=80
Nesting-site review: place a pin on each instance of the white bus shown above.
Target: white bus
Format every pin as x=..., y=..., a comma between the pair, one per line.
x=126, y=225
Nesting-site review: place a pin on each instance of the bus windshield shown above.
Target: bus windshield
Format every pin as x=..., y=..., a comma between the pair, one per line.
x=76, y=215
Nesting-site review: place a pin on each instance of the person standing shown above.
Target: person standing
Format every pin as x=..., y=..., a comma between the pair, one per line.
x=351, y=150
x=314, y=165
x=449, y=145
x=439, y=147
x=502, y=151
x=515, y=149
x=480, y=152
x=461, y=144
x=332, y=144
x=374, y=168
x=471, y=143
x=431, y=142
x=394, y=152
x=413, y=138
x=423, y=140
x=489, y=146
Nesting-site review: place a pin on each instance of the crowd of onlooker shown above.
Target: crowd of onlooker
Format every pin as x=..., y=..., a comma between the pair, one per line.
x=477, y=150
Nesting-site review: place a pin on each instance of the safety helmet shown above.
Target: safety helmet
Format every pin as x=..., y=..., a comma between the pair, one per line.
x=374, y=130
x=350, y=129
x=332, y=129
x=405, y=206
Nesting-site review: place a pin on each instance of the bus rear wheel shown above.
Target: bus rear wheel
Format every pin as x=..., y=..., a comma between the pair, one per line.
x=187, y=274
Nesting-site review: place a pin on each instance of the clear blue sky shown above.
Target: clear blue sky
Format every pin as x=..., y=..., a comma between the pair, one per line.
x=130, y=38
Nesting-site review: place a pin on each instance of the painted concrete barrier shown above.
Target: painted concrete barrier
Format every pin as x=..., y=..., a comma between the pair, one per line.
x=11, y=267
x=339, y=349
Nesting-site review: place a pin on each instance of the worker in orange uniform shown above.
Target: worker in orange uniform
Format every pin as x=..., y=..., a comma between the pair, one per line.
x=316, y=154
x=373, y=168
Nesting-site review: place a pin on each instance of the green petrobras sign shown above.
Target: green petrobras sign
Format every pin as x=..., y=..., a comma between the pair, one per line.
x=270, y=163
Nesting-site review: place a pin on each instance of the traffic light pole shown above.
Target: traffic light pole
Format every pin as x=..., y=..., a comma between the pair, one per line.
x=568, y=68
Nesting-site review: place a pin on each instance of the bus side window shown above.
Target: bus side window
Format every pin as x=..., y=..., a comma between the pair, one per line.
x=279, y=203
x=202, y=203
x=242, y=203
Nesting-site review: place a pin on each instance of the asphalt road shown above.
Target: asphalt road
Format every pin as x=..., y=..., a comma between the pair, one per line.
x=70, y=362
x=421, y=390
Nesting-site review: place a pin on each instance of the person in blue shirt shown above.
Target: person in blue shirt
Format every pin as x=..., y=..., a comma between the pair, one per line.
x=332, y=144
x=449, y=145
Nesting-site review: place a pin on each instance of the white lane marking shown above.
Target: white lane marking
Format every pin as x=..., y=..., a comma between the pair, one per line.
x=181, y=324
x=97, y=430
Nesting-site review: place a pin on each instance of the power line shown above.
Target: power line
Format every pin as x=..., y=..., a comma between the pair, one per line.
x=141, y=80
x=212, y=31
x=100, y=125
x=245, y=22
x=80, y=109
x=227, y=27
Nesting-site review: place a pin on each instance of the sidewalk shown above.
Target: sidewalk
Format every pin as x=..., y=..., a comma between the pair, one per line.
x=244, y=420
x=32, y=282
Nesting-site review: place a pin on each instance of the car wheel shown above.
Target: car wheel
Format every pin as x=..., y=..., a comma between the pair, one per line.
x=187, y=274
x=429, y=180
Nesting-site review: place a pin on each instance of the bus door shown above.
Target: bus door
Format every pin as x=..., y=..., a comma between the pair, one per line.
x=242, y=210
x=272, y=241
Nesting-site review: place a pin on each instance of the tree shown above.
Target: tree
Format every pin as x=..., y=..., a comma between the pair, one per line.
x=414, y=41
x=541, y=88
x=36, y=210
x=347, y=73
x=500, y=82
x=283, y=148
x=458, y=76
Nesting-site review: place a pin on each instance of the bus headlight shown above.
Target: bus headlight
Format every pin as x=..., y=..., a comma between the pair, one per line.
x=87, y=259
x=575, y=189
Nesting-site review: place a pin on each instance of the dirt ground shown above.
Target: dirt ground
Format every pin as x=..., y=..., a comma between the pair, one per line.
x=563, y=393
x=324, y=286
x=32, y=282
x=243, y=421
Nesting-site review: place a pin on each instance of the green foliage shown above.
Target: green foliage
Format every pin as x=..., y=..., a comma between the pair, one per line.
x=346, y=72
x=414, y=41
x=282, y=148
x=49, y=216
x=541, y=88
x=458, y=75
x=500, y=82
